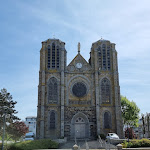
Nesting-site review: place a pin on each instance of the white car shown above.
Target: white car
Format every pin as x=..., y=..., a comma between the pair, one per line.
x=112, y=136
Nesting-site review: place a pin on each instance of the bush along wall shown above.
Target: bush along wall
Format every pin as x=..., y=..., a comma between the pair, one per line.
x=36, y=144
x=136, y=143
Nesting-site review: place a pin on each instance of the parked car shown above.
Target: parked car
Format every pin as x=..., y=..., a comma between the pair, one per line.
x=112, y=136
x=29, y=136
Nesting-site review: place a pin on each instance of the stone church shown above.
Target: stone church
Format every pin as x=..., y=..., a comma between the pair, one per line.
x=80, y=100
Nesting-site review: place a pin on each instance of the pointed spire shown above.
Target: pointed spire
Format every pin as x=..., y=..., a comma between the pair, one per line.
x=78, y=47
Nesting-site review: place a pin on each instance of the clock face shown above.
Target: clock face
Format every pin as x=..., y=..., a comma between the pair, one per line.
x=79, y=65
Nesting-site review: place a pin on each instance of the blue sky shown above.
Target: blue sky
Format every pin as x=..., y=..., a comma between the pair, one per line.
x=24, y=24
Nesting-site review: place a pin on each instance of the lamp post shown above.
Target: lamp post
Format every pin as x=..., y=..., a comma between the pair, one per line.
x=75, y=147
x=75, y=136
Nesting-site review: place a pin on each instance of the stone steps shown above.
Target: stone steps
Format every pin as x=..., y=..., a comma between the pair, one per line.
x=89, y=144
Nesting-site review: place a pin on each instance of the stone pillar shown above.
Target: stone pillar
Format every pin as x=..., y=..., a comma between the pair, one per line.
x=62, y=93
x=42, y=96
x=75, y=147
x=119, y=124
x=119, y=147
x=97, y=93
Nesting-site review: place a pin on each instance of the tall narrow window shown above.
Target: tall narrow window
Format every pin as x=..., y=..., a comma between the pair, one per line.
x=49, y=57
x=53, y=91
x=100, y=57
x=52, y=120
x=107, y=120
x=53, y=55
x=104, y=56
x=104, y=52
x=58, y=53
x=108, y=57
x=105, y=90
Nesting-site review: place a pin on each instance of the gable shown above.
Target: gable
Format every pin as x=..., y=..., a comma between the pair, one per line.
x=78, y=64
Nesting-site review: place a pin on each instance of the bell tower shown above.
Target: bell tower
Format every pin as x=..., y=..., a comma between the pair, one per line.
x=103, y=59
x=51, y=89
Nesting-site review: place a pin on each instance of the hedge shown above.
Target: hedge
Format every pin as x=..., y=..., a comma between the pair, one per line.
x=36, y=144
x=136, y=143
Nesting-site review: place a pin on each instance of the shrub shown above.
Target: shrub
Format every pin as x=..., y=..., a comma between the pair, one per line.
x=136, y=143
x=36, y=144
x=5, y=147
x=125, y=144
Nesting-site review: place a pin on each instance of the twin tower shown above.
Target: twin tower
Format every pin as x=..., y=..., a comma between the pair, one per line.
x=80, y=100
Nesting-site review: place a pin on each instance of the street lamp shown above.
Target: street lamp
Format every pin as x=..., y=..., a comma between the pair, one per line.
x=75, y=136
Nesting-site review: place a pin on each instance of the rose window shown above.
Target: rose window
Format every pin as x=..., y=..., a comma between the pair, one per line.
x=79, y=89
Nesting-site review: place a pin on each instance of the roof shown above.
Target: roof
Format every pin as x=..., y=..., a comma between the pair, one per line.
x=78, y=55
x=101, y=40
x=53, y=40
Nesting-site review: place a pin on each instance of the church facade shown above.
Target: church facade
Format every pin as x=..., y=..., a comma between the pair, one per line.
x=80, y=100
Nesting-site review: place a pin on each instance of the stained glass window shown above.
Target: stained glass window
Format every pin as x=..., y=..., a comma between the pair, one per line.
x=52, y=120
x=79, y=89
x=105, y=90
x=107, y=120
x=53, y=91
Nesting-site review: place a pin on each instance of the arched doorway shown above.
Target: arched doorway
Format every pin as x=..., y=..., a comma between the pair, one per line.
x=80, y=126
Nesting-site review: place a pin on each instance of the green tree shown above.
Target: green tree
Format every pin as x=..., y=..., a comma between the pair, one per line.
x=7, y=105
x=130, y=112
x=7, y=108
